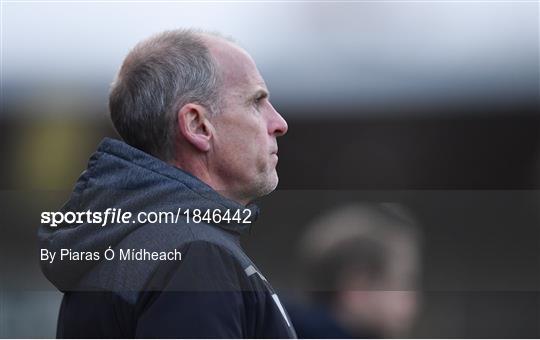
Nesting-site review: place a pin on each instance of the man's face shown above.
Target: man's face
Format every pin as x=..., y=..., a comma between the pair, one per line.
x=245, y=131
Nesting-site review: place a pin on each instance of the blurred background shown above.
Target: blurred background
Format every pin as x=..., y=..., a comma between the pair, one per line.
x=414, y=131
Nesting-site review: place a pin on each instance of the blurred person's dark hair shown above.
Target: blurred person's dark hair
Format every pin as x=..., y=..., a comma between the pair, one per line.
x=361, y=262
x=160, y=75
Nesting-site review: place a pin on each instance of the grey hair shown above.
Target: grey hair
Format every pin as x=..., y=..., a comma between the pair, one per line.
x=159, y=76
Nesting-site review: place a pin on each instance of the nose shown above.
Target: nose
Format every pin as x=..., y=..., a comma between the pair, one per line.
x=277, y=126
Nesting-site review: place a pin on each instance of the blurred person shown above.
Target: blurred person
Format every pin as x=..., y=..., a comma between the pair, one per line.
x=360, y=264
x=199, y=132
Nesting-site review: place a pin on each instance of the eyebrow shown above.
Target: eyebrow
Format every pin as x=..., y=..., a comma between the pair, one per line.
x=260, y=92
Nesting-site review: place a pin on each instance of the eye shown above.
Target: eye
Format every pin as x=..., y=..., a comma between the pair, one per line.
x=259, y=99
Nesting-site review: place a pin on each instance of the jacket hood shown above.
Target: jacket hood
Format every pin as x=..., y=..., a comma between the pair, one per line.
x=122, y=177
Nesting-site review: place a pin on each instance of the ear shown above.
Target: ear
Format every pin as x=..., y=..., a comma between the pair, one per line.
x=194, y=125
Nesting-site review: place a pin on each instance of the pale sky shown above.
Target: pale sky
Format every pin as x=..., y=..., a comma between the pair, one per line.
x=326, y=52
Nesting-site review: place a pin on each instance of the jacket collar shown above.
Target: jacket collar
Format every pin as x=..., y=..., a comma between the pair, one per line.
x=200, y=194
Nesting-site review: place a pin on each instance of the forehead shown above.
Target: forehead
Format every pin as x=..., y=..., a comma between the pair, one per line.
x=237, y=69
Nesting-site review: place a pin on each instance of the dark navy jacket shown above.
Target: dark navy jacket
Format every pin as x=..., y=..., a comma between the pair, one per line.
x=214, y=291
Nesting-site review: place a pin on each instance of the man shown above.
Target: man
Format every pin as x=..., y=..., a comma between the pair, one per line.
x=200, y=135
x=360, y=266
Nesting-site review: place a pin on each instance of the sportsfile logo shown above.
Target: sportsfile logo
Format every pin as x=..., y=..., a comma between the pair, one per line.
x=118, y=216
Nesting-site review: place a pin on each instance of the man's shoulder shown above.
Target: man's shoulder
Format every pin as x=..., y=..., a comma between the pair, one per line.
x=147, y=257
x=167, y=237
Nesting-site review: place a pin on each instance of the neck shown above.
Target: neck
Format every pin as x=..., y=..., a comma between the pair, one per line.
x=199, y=169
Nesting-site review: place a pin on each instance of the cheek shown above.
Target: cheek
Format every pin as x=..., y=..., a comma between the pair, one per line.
x=251, y=143
x=242, y=150
x=245, y=145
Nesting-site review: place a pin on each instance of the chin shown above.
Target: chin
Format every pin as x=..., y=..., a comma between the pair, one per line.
x=269, y=185
x=274, y=181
